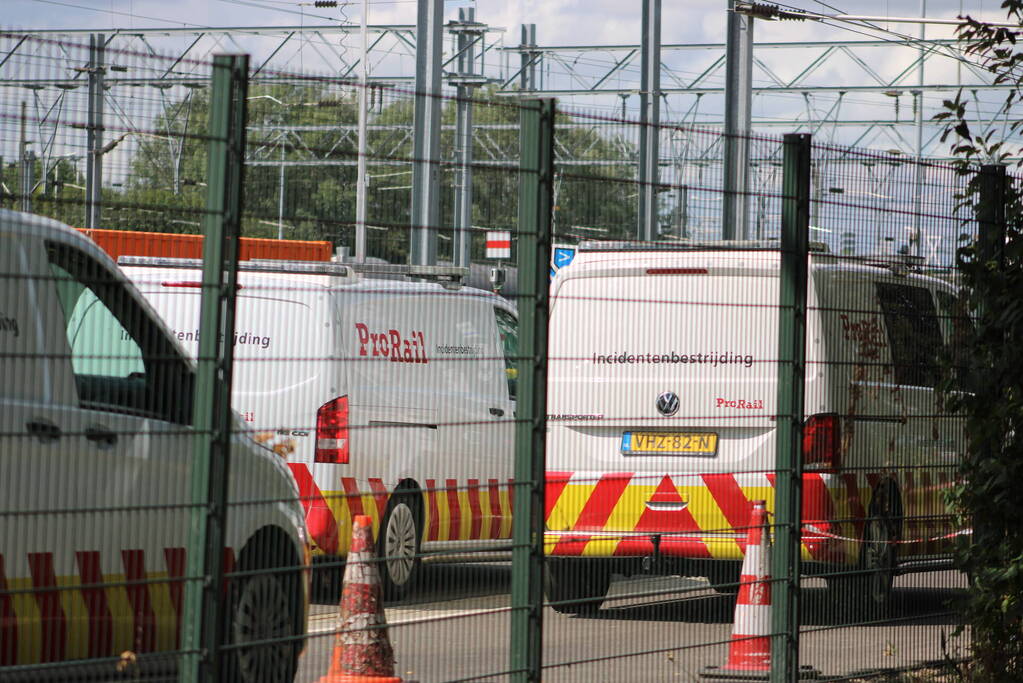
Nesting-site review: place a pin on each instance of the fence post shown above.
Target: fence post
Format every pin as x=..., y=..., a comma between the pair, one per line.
x=785, y=559
x=991, y=213
x=536, y=200
x=202, y=622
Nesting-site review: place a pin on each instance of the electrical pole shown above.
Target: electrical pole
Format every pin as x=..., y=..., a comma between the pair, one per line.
x=361, y=185
x=427, y=124
x=650, y=120
x=467, y=34
x=917, y=237
x=738, y=104
x=528, y=60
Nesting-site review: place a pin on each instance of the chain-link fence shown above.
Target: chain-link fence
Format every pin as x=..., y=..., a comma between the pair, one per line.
x=558, y=437
x=144, y=532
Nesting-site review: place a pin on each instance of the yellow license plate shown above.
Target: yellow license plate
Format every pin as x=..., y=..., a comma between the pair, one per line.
x=670, y=443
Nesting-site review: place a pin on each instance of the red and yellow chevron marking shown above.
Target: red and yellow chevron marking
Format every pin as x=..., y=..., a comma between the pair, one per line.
x=50, y=617
x=706, y=515
x=453, y=510
x=473, y=510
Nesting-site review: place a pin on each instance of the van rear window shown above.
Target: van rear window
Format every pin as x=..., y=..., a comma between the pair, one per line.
x=913, y=333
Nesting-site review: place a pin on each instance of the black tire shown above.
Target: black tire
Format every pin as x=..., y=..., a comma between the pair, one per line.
x=576, y=586
x=726, y=579
x=398, y=545
x=265, y=606
x=867, y=592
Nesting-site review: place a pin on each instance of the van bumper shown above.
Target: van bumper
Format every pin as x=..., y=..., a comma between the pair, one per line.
x=816, y=547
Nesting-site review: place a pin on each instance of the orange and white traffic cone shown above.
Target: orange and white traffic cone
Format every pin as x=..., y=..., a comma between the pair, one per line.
x=749, y=653
x=362, y=649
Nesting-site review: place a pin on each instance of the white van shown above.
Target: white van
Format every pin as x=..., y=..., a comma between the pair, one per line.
x=662, y=402
x=389, y=397
x=96, y=449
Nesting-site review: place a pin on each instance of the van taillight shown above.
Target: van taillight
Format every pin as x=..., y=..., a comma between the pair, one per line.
x=332, y=432
x=822, y=442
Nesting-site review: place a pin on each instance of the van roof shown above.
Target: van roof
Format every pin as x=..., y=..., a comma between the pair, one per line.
x=271, y=279
x=608, y=258
x=691, y=245
x=452, y=275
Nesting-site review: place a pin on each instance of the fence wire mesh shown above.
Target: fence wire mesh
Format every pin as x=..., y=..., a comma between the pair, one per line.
x=363, y=388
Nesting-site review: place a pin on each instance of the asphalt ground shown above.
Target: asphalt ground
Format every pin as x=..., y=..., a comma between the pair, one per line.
x=456, y=627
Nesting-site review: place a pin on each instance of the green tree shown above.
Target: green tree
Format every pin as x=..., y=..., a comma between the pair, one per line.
x=56, y=189
x=987, y=497
x=309, y=126
x=595, y=195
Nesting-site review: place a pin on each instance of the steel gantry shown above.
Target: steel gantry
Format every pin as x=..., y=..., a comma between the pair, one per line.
x=878, y=93
x=873, y=106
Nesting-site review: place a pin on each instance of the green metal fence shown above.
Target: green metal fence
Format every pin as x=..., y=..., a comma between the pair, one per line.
x=627, y=404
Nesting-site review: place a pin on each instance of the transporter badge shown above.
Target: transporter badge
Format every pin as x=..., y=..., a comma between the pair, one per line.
x=667, y=403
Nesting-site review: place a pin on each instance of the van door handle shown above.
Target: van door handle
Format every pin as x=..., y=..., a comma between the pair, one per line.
x=104, y=438
x=497, y=412
x=45, y=432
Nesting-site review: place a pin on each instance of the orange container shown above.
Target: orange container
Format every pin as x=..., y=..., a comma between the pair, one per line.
x=133, y=243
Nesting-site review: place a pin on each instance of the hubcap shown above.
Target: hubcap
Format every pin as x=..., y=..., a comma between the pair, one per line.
x=262, y=614
x=400, y=544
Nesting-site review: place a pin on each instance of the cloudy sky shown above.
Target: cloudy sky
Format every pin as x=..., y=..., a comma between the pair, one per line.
x=558, y=21
x=580, y=22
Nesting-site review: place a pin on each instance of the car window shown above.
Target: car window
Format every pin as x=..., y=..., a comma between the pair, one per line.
x=99, y=343
x=913, y=333
x=121, y=359
x=508, y=328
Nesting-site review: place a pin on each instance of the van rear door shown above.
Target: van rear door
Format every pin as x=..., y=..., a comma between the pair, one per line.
x=661, y=387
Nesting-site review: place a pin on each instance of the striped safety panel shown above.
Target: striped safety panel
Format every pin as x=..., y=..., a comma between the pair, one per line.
x=46, y=616
x=453, y=509
x=707, y=515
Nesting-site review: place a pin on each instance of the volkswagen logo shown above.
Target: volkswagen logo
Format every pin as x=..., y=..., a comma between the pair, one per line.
x=667, y=403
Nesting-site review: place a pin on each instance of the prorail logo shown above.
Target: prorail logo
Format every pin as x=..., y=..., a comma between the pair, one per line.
x=392, y=345
x=741, y=403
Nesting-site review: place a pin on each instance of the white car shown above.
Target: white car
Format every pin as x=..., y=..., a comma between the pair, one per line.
x=96, y=453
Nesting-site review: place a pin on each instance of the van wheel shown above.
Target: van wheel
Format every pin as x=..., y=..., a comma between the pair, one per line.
x=868, y=592
x=266, y=606
x=571, y=580
x=398, y=545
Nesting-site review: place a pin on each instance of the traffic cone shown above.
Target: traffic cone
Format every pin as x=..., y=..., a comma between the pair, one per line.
x=362, y=649
x=749, y=653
